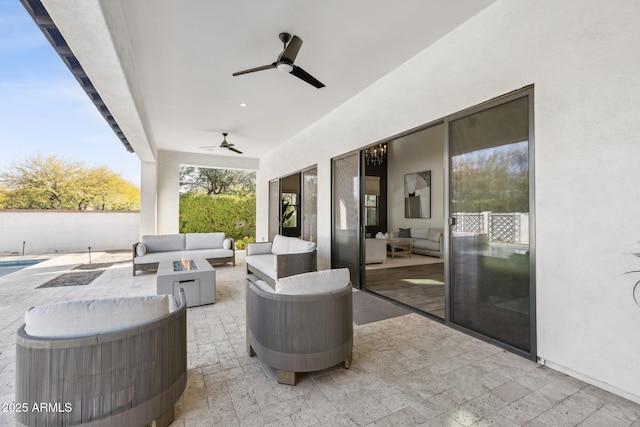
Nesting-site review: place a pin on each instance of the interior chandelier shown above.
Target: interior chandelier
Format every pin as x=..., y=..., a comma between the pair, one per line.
x=375, y=155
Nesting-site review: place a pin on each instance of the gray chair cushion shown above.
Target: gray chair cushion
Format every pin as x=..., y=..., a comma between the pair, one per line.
x=164, y=242
x=204, y=240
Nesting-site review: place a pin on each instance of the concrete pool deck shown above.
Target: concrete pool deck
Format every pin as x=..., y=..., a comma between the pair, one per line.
x=407, y=370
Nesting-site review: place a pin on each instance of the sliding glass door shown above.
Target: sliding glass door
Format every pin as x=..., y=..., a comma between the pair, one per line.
x=274, y=208
x=293, y=205
x=490, y=165
x=346, y=236
x=310, y=204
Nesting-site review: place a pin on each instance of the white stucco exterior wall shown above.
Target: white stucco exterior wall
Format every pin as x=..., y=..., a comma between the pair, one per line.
x=49, y=232
x=583, y=59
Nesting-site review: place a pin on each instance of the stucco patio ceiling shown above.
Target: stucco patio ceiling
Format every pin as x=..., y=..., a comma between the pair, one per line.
x=164, y=68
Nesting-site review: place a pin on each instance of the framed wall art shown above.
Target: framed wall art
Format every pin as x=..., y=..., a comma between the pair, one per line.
x=417, y=195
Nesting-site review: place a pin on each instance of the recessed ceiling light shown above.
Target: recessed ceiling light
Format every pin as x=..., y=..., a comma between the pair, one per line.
x=242, y=104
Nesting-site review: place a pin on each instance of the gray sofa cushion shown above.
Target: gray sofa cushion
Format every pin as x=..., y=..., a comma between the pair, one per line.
x=152, y=257
x=209, y=253
x=204, y=240
x=164, y=242
x=426, y=244
x=266, y=263
x=419, y=233
x=178, y=255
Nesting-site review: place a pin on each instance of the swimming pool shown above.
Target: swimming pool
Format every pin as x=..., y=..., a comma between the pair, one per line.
x=7, y=267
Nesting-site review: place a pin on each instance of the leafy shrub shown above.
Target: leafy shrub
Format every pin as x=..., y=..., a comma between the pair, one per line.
x=242, y=243
x=233, y=215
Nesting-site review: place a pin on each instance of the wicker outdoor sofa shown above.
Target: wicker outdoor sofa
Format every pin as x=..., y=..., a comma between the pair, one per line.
x=131, y=376
x=214, y=247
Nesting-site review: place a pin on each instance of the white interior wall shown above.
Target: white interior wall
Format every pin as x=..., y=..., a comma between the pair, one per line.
x=582, y=58
x=418, y=152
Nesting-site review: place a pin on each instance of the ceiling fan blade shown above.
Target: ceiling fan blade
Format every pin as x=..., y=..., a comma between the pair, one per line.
x=235, y=150
x=253, y=70
x=303, y=75
x=291, y=51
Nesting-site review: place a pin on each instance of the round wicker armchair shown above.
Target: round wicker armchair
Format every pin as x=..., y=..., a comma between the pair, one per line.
x=304, y=328
x=128, y=377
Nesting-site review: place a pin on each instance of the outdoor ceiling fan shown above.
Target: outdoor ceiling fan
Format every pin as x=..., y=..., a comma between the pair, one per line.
x=285, y=61
x=223, y=144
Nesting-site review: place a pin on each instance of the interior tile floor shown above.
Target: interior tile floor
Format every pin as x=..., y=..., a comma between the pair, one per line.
x=407, y=370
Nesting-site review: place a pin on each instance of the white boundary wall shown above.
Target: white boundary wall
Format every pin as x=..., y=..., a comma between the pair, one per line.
x=46, y=232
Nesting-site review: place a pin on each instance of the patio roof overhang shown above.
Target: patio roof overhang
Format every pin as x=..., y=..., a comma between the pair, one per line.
x=161, y=73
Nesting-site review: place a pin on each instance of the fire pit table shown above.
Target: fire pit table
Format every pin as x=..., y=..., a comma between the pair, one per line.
x=195, y=276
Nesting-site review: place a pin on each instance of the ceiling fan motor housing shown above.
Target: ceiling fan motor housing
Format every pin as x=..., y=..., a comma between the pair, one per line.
x=285, y=67
x=284, y=37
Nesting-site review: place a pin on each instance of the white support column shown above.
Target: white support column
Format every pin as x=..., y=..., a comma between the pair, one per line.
x=168, y=193
x=148, y=197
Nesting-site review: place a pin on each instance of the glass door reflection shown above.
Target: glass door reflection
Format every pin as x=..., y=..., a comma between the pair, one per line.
x=489, y=205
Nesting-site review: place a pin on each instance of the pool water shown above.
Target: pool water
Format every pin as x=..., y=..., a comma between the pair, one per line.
x=7, y=267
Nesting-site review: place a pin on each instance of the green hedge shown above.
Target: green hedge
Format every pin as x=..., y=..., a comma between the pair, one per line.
x=234, y=215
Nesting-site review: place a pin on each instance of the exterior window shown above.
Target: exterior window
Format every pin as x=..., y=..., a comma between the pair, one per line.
x=289, y=210
x=371, y=210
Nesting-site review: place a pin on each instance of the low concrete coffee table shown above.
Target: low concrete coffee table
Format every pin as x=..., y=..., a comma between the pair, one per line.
x=196, y=277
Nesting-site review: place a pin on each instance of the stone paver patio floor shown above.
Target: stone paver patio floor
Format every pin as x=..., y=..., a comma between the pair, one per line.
x=407, y=370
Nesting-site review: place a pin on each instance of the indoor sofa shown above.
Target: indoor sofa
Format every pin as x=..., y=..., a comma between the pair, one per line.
x=305, y=324
x=285, y=256
x=109, y=362
x=424, y=241
x=151, y=249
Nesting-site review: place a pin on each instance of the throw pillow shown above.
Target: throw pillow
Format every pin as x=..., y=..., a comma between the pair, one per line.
x=226, y=244
x=434, y=235
x=404, y=232
x=280, y=244
x=141, y=249
x=291, y=245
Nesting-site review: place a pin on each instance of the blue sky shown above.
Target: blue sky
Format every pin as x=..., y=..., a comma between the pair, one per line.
x=43, y=108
